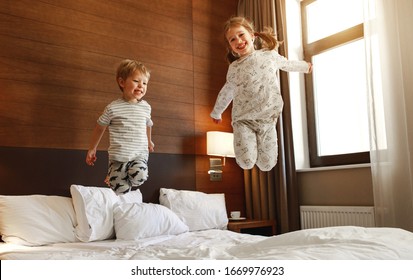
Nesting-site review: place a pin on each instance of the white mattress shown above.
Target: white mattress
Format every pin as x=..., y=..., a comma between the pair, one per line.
x=349, y=243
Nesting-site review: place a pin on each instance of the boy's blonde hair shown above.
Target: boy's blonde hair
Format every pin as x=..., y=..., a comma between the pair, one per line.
x=265, y=39
x=127, y=67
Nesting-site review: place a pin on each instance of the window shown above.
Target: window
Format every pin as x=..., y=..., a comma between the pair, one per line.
x=337, y=112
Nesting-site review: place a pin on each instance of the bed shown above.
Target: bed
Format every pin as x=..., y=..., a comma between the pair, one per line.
x=95, y=224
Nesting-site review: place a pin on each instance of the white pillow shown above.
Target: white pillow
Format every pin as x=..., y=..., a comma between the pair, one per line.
x=196, y=209
x=135, y=221
x=94, y=210
x=34, y=220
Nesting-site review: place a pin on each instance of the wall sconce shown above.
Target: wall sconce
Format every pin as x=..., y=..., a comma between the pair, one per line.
x=219, y=144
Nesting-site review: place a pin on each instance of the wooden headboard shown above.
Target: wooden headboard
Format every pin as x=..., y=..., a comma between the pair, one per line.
x=26, y=171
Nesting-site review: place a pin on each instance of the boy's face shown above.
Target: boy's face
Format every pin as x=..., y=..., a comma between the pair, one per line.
x=134, y=87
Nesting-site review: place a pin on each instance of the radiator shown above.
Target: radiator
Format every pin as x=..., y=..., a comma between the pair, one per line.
x=328, y=216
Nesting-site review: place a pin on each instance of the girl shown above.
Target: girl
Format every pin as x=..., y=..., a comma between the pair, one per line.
x=252, y=84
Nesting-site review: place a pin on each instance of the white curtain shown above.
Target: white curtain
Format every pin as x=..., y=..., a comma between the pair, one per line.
x=390, y=62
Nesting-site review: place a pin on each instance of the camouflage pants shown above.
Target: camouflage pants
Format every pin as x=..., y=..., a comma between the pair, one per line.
x=123, y=176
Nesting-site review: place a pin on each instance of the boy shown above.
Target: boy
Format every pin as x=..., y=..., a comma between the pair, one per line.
x=130, y=126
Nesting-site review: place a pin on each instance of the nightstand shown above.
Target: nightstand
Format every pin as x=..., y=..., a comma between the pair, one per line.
x=251, y=226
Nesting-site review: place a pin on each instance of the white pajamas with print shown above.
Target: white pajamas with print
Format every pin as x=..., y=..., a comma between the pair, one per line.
x=253, y=87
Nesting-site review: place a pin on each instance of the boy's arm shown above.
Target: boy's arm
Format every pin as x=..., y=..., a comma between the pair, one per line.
x=151, y=145
x=94, y=142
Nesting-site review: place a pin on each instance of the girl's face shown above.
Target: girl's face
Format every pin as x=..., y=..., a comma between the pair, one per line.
x=240, y=40
x=134, y=87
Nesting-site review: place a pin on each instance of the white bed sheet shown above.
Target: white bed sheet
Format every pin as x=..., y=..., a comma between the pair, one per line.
x=348, y=243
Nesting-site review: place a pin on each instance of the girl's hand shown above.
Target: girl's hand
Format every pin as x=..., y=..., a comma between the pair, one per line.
x=310, y=67
x=217, y=121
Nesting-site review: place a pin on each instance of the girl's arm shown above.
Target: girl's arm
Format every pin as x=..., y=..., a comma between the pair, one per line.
x=96, y=137
x=292, y=65
x=224, y=98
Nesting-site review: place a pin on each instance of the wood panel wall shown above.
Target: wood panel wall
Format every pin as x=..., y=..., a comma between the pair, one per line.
x=57, y=73
x=58, y=61
x=210, y=70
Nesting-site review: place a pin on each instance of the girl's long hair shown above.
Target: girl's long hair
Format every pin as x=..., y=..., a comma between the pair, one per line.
x=266, y=39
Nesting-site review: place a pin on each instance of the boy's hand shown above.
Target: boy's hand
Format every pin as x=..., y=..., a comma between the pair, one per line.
x=107, y=182
x=91, y=157
x=151, y=146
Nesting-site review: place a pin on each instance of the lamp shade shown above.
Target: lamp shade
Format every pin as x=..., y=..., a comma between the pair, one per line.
x=220, y=144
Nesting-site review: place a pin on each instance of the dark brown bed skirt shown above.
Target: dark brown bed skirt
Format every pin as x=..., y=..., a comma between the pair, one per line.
x=25, y=171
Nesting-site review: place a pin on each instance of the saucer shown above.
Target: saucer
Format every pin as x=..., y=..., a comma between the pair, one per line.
x=237, y=219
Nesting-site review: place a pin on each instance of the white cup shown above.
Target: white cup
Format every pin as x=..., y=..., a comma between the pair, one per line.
x=235, y=214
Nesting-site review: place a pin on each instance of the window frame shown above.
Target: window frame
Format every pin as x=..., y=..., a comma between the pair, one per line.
x=311, y=49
